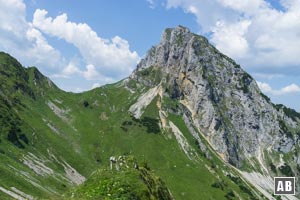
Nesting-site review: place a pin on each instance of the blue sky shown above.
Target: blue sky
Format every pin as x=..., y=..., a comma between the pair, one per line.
x=84, y=44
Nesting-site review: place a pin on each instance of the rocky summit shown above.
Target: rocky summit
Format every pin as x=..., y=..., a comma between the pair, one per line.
x=188, y=123
x=222, y=101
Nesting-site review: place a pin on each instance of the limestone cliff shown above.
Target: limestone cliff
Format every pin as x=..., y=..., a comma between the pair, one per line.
x=223, y=102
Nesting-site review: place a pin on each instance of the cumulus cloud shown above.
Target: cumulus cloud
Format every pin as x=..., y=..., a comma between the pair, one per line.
x=89, y=73
x=70, y=69
x=12, y=15
x=42, y=52
x=290, y=89
x=95, y=85
x=248, y=7
x=251, y=31
x=230, y=38
x=100, y=59
x=207, y=12
x=111, y=58
x=19, y=38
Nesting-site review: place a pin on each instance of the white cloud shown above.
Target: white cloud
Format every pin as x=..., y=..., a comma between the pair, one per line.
x=265, y=87
x=79, y=90
x=230, y=39
x=151, y=3
x=290, y=89
x=90, y=73
x=111, y=58
x=71, y=69
x=207, y=12
x=248, y=7
x=12, y=15
x=269, y=76
x=19, y=38
x=101, y=59
x=95, y=85
x=251, y=31
x=42, y=52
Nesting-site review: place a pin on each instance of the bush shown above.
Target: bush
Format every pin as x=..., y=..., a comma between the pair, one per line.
x=219, y=184
x=265, y=97
x=288, y=111
x=230, y=195
x=13, y=137
x=235, y=179
x=273, y=168
x=245, y=82
x=2, y=151
x=124, y=128
x=150, y=123
x=286, y=170
x=86, y=104
x=247, y=191
x=127, y=123
x=24, y=138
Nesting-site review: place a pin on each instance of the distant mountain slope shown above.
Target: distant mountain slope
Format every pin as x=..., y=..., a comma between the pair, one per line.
x=198, y=120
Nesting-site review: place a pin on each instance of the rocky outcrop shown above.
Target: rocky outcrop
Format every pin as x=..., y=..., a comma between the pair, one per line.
x=223, y=101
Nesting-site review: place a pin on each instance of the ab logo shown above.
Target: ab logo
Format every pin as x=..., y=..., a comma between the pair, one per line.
x=284, y=185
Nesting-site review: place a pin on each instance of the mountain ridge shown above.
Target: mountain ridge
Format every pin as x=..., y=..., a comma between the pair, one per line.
x=246, y=84
x=236, y=118
x=187, y=109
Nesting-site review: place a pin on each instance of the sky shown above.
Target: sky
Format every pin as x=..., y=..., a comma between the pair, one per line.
x=81, y=45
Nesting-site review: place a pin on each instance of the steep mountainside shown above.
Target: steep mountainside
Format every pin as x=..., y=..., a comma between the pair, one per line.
x=188, y=112
x=223, y=102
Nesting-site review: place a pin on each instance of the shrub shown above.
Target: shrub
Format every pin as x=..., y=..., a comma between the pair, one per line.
x=12, y=136
x=288, y=111
x=246, y=190
x=230, y=195
x=151, y=124
x=219, y=184
x=286, y=170
x=273, y=168
x=86, y=104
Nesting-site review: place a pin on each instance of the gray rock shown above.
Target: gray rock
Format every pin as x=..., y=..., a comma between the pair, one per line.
x=224, y=102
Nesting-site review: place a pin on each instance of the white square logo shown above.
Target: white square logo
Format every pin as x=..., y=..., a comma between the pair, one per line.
x=284, y=185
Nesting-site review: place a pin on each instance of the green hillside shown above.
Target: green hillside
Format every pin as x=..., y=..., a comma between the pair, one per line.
x=125, y=179
x=52, y=140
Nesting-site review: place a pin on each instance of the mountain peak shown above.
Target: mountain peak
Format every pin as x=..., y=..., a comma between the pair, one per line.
x=177, y=45
x=190, y=108
x=169, y=33
x=217, y=95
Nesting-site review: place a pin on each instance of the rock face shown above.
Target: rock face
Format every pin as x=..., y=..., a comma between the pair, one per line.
x=218, y=96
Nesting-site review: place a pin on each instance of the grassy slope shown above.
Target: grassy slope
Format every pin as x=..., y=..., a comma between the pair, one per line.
x=91, y=133
x=97, y=139
x=130, y=181
x=187, y=179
